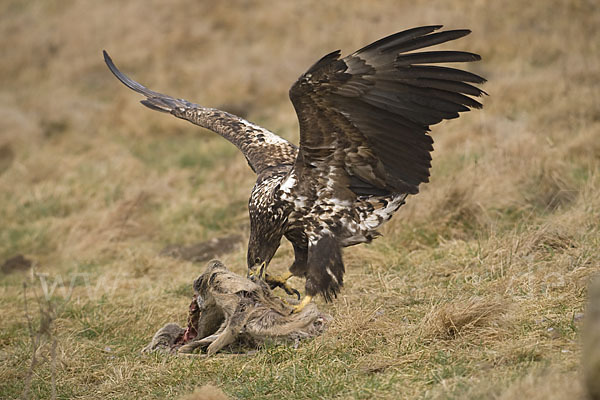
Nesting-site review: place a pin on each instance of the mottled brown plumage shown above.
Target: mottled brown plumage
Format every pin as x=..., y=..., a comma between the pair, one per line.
x=363, y=147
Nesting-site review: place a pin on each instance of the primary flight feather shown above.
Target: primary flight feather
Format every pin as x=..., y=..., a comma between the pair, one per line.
x=364, y=146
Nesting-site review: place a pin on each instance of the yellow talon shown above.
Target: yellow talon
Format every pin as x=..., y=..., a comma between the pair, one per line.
x=281, y=281
x=257, y=272
x=305, y=301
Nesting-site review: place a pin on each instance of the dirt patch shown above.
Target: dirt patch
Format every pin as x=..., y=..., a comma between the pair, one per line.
x=206, y=392
x=203, y=251
x=7, y=156
x=16, y=263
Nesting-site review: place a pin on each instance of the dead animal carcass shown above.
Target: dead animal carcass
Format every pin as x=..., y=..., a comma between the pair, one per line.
x=228, y=309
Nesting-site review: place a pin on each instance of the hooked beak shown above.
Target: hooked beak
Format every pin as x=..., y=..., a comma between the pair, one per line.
x=257, y=271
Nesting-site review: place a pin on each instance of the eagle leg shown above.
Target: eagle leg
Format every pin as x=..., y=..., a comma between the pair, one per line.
x=305, y=301
x=325, y=267
x=281, y=281
x=325, y=270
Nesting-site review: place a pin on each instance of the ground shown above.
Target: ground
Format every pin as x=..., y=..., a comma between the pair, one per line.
x=476, y=290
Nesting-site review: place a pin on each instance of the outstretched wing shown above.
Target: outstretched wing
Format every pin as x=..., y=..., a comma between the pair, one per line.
x=369, y=113
x=263, y=149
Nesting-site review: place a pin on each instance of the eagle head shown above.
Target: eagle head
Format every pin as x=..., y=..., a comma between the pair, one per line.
x=262, y=246
x=266, y=230
x=268, y=218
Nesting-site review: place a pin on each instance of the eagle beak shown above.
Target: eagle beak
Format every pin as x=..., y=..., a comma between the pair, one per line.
x=257, y=271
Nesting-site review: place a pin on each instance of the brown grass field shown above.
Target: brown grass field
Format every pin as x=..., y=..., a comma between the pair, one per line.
x=476, y=291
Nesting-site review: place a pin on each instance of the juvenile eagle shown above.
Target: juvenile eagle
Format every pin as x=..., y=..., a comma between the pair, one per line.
x=364, y=146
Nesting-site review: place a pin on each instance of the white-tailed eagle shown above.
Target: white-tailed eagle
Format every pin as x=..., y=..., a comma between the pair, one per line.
x=364, y=146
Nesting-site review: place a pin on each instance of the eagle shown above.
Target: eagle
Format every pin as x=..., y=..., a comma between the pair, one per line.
x=364, y=147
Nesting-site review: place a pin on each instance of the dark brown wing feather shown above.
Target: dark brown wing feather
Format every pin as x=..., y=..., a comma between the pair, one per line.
x=262, y=148
x=370, y=112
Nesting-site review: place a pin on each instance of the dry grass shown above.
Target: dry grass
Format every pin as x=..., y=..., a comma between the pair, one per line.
x=475, y=291
x=206, y=392
x=459, y=318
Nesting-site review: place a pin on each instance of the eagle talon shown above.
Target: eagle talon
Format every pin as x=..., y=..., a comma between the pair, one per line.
x=305, y=301
x=281, y=281
x=257, y=274
x=297, y=293
x=291, y=291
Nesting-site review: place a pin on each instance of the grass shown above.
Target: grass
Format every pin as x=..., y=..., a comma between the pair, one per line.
x=475, y=291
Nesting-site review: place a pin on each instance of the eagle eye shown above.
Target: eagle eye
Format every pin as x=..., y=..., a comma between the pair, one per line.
x=257, y=260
